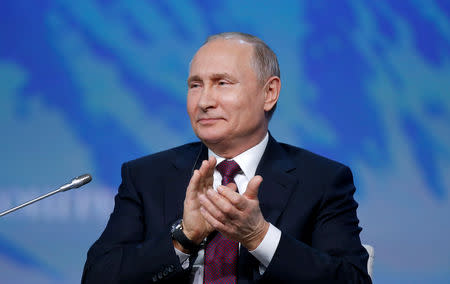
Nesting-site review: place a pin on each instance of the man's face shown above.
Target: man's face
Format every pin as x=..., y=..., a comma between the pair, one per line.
x=225, y=100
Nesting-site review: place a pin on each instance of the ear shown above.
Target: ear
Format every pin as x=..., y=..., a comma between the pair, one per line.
x=271, y=92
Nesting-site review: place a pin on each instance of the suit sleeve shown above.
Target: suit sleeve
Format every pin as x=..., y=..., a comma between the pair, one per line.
x=123, y=255
x=335, y=254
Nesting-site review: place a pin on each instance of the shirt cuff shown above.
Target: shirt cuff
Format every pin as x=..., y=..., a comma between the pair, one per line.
x=266, y=249
x=183, y=257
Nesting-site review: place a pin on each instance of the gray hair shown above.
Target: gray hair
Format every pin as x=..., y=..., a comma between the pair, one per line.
x=264, y=60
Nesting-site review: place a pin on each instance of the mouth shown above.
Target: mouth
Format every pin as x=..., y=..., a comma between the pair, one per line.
x=208, y=120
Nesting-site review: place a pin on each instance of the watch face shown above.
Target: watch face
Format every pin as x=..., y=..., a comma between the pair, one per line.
x=176, y=226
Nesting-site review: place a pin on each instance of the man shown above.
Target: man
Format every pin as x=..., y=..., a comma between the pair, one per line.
x=239, y=206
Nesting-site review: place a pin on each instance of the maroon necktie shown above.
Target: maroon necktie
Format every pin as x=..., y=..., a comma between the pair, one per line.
x=221, y=253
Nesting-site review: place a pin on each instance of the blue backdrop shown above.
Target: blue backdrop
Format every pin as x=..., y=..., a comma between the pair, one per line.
x=87, y=85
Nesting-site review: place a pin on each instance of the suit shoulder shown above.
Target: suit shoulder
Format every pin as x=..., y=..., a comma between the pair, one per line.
x=317, y=171
x=311, y=160
x=165, y=157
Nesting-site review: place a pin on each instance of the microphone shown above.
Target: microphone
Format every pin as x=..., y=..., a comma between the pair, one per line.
x=74, y=183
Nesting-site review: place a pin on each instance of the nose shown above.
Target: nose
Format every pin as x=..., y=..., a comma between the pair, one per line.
x=207, y=99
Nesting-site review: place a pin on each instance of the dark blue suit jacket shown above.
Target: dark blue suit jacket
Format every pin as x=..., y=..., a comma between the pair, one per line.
x=308, y=197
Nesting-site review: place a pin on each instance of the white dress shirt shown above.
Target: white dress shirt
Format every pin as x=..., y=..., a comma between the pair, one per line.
x=248, y=162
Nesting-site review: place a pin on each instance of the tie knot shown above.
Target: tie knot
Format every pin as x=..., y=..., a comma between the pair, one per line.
x=228, y=169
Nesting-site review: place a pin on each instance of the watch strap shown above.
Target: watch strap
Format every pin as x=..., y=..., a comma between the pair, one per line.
x=179, y=236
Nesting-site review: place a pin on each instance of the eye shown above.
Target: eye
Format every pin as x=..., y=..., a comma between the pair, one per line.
x=194, y=85
x=223, y=83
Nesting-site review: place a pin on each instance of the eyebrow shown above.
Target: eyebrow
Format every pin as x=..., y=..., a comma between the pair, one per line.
x=224, y=75
x=214, y=76
x=193, y=78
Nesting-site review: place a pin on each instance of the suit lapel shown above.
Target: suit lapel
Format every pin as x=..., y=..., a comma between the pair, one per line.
x=277, y=185
x=274, y=193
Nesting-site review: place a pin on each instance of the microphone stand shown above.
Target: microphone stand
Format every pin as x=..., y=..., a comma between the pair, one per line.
x=75, y=183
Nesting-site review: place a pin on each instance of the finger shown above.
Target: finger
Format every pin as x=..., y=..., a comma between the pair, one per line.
x=252, y=188
x=216, y=224
x=232, y=186
x=227, y=211
x=229, y=192
x=209, y=174
x=207, y=167
x=207, y=171
x=212, y=163
x=203, y=171
x=203, y=168
x=211, y=208
x=193, y=185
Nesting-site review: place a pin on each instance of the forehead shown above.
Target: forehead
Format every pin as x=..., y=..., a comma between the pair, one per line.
x=223, y=55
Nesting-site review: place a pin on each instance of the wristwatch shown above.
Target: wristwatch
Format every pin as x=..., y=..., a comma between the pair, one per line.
x=177, y=234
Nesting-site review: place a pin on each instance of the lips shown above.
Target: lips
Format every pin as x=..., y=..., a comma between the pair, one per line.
x=208, y=120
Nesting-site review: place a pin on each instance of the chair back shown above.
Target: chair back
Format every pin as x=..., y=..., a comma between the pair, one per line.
x=371, y=252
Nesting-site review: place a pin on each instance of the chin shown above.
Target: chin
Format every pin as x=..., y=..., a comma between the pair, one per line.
x=211, y=137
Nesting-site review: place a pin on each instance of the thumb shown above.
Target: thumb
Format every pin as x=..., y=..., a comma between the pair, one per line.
x=252, y=188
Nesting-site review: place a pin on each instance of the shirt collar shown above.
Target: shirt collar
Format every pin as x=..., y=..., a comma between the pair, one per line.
x=248, y=160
